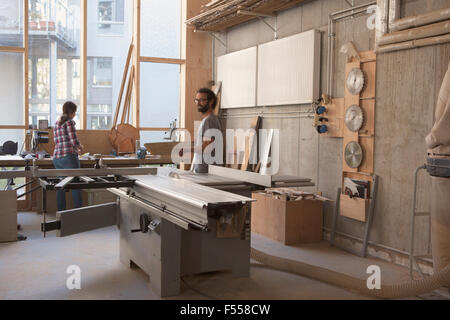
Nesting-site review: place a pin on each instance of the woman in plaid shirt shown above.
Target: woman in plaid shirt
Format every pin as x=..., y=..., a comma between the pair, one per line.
x=67, y=148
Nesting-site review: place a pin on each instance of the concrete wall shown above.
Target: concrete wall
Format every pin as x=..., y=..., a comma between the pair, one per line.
x=407, y=86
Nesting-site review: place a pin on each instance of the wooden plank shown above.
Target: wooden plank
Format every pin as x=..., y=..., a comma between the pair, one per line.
x=368, y=128
x=154, y=129
x=12, y=127
x=218, y=91
x=8, y=216
x=266, y=151
x=247, y=150
x=160, y=148
x=26, y=66
x=122, y=85
x=235, y=164
x=126, y=103
x=370, y=70
x=249, y=142
x=162, y=60
x=367, y=145
x=12, y=49
x=136, y=64
x=63, y=183
x=84, y=219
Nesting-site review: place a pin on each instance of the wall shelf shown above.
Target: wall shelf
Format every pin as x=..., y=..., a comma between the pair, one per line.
x=221, y=15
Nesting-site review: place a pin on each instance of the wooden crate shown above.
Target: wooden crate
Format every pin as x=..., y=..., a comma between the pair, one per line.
x=289, y=222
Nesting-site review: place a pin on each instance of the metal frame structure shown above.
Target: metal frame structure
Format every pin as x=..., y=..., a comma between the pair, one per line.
x=368, y=223
x=412, y=257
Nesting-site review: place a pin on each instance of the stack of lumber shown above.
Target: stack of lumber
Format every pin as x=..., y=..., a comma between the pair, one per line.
x=294, y=195
x=425, y=29
x=218, y=15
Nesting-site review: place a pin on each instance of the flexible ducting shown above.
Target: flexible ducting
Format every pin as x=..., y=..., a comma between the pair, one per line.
x=345, y=281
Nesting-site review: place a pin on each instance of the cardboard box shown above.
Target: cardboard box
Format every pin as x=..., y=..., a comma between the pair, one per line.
x=287, y=221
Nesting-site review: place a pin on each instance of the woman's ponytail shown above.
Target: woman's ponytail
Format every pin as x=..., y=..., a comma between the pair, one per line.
x=68, y=108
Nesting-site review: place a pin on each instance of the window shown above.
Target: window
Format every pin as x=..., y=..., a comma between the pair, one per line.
x=11, y=23
x=161, y=21
x=160, y=94
x=160, y=81
x=106, y=58
x=11, y=89
x=100, y=71
x=54, y=62
x=110, y=18
x=99, y=117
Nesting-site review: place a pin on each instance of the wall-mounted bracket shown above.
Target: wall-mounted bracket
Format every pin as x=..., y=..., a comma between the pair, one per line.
x=261, y=17
x=213, y=34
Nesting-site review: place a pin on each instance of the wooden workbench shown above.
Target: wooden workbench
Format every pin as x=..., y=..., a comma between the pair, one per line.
x=32, y=201
x=17, y=161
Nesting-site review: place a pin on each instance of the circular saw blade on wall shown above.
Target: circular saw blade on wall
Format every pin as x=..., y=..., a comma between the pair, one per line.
x=353, y=154
x=354, y=118
x=355, y=81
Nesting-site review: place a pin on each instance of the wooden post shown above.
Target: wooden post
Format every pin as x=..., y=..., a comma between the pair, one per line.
x=83, y=64
x=136, y=60
x=25, y=64
x=198, y=68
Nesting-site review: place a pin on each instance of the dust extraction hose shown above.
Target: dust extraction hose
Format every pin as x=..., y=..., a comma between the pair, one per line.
x=397, y=291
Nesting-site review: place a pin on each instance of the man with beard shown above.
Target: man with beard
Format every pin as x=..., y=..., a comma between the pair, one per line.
x=206, y=102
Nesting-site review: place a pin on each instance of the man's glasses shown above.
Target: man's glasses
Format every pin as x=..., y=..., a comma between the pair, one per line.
x=200, y=100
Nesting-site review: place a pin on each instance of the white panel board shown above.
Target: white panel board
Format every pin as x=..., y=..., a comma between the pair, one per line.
x=237, y=71
x=289, y=70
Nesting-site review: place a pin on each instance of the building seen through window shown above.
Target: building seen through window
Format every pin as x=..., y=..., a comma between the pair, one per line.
x=54, y=60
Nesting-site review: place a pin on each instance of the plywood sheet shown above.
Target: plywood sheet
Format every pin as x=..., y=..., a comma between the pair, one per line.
x=354, y=208
x=289, y=222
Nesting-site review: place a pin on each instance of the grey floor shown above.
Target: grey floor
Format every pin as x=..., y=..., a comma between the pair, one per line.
x=36, y=269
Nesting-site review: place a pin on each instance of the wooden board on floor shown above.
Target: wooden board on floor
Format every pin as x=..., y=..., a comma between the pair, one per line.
x=8, y=216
